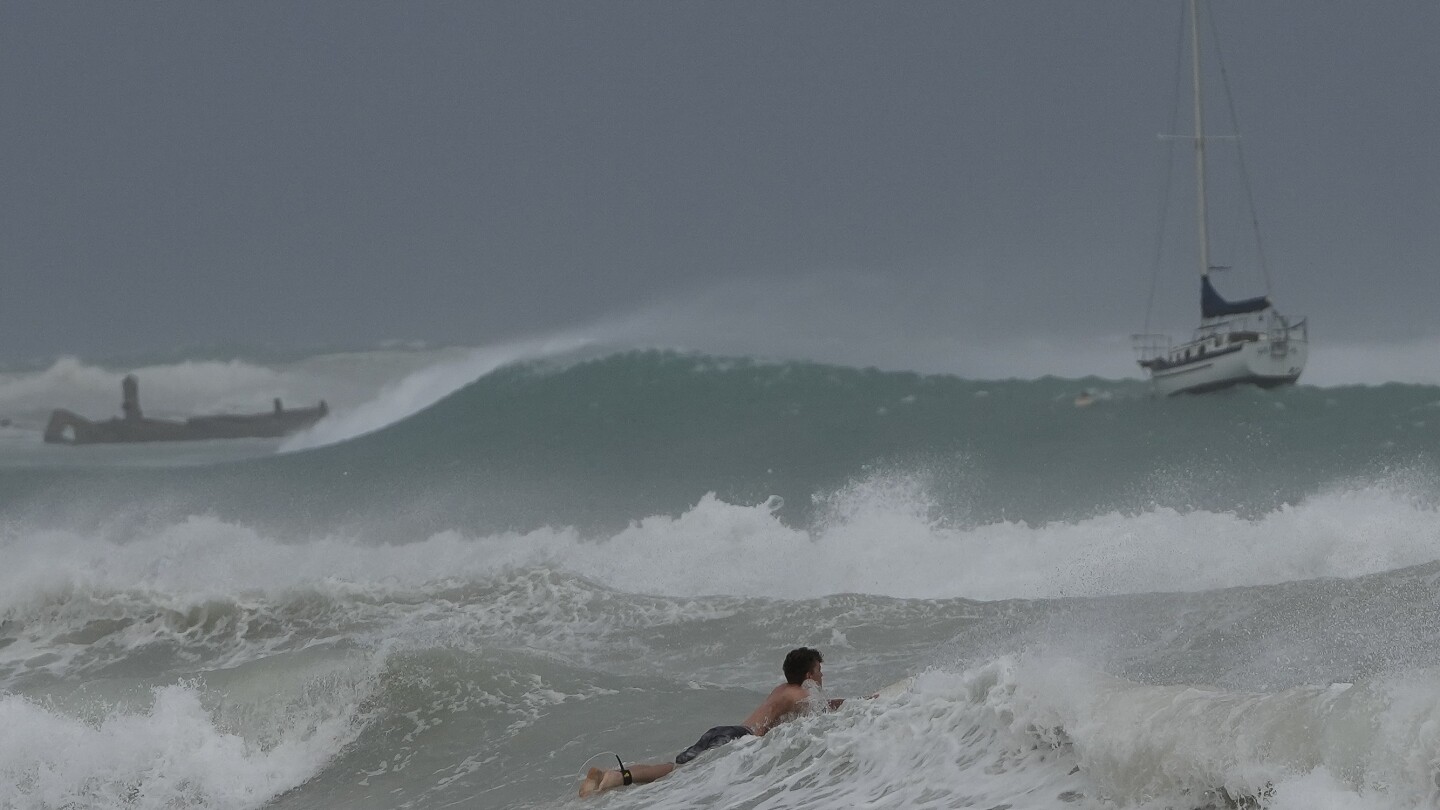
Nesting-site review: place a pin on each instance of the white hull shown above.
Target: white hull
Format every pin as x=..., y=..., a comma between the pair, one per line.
x=1261, y=362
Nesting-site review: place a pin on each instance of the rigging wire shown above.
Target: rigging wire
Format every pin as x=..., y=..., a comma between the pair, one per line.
x=1240, y=155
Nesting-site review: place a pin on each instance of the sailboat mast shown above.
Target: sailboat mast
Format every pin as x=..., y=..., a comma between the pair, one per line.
x=1200, y=213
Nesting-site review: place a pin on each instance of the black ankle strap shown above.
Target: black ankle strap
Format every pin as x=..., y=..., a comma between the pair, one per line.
x=624, y=771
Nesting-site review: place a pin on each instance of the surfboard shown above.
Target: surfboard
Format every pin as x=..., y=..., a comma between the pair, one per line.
x=897, y=688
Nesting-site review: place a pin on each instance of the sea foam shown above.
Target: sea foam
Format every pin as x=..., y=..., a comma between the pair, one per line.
x=878, y=537
x=171, y=753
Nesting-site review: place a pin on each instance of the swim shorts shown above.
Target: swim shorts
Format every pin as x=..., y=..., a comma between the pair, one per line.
x=714, y=738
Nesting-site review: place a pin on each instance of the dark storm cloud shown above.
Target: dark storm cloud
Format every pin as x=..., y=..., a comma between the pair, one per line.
x=329, y=172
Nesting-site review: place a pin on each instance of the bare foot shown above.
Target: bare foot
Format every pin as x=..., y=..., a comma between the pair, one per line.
x=591, y=783
x=598, y=781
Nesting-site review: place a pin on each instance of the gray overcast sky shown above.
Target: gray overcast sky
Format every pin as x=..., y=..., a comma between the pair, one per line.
x=348, y=172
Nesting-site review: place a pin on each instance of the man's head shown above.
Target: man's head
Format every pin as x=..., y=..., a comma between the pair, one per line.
x=802, y=663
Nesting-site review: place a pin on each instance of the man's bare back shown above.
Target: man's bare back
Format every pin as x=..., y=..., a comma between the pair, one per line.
x=784, y=702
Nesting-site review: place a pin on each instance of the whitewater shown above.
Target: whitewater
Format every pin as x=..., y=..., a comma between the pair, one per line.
x=491, y=565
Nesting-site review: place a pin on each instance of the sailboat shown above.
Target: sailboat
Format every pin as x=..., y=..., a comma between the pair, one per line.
x=1238, y=342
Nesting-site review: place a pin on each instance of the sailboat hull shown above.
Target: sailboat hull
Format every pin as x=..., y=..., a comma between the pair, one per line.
x=1260, y=363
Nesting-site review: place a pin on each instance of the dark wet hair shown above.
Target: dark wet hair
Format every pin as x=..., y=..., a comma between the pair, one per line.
x=799, y=663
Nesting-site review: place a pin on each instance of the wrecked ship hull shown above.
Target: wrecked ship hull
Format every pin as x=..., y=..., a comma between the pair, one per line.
x=66, y=427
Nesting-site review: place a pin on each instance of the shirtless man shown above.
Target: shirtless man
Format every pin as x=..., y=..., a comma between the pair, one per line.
x=784, y=702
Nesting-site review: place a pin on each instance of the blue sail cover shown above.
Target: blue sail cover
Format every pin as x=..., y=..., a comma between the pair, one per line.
x=1213, y=306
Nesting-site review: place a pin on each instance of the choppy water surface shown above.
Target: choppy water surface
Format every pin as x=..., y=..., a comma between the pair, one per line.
x=483, y=570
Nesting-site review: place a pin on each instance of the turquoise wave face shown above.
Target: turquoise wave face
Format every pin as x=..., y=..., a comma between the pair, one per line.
x=608, y=440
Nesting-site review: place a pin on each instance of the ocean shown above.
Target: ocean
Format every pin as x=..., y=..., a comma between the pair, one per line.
x=488, y=568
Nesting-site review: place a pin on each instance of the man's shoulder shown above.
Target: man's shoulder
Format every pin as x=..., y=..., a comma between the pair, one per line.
x=790, y=691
